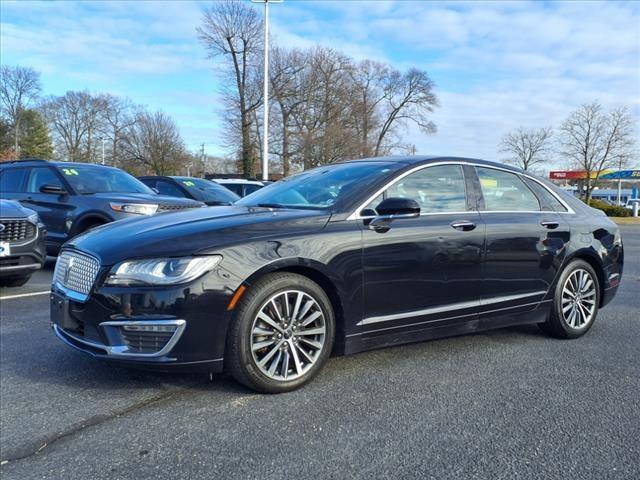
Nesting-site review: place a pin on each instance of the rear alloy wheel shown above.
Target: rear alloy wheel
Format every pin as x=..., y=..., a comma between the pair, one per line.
x=576, y=302
x=282, y=333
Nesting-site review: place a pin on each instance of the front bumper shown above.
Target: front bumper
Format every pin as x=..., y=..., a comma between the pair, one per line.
x=179, y=327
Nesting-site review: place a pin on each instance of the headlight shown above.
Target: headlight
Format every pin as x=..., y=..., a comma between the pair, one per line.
x=139, y=208
x=33, y=218
x=161, y=271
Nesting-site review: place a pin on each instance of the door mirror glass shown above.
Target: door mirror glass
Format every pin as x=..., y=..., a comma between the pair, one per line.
x=398, y=206
x=53, y=189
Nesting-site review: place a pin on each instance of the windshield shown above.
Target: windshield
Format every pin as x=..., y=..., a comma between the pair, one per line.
x=207, y=190
x=321, y=187
x=86, y=179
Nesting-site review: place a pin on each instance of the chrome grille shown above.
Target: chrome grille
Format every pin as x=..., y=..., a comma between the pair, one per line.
x=16, y=230
x=76, y=271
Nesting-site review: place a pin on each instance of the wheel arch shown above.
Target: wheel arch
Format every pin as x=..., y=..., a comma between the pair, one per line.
x=87, y=219
x=318, y=273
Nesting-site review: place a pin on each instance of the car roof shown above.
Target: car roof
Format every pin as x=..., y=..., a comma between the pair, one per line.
x=53, y=163
x=237, y=180
x=425, y=159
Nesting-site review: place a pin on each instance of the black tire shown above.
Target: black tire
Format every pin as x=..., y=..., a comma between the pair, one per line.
x=558, y=325
x=240, y=360
x=15, y=281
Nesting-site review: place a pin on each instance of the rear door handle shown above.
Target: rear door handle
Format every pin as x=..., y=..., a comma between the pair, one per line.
x=551, y=225
x=463, y=225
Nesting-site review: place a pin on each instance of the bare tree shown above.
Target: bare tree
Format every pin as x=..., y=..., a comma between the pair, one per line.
x=527, y=147
x=368, y=78
x=596, y=140
x=119, y=115
x=19, y=87
x=154, y=142
x=75, y=120
x=233, y=29
x=286, y=85
x=408, y=97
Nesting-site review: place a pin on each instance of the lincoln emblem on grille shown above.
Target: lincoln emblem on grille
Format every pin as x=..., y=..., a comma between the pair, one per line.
x=68, y=271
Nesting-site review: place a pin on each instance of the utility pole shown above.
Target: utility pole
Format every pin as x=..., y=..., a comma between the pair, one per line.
x=202, y=158
x=265, y=96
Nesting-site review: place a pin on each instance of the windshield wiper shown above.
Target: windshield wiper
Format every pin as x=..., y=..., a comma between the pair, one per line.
x=271, y=205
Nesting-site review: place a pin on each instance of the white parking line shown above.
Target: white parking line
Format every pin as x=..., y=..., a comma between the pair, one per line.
x=21, y=295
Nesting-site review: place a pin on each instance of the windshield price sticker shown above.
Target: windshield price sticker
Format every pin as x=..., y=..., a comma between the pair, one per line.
x=70, y=171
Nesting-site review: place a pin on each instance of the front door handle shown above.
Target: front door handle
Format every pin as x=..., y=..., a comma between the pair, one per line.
x=463, y=225
x=551, y=225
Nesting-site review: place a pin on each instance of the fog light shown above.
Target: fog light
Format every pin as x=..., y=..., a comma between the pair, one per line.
x=150, y=328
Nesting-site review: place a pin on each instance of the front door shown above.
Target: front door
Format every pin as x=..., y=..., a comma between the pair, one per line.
x=53, y=209
x=424, y=272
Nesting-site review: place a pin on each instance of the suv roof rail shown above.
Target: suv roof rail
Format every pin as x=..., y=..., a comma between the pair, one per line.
x=21, y=160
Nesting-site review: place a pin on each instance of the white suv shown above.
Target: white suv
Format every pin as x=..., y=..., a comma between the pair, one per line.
x=240, y=186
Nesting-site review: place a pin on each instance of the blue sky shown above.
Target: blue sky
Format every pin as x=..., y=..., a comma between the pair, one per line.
x=497, y=65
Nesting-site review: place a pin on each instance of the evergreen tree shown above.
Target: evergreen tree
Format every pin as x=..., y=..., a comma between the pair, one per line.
x=35, y=141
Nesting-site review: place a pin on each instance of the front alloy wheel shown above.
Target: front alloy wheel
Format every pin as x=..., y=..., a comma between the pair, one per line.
x=281, y=334
x=288, y=335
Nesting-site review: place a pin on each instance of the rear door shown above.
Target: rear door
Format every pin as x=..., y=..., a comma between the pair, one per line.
x=525, y=242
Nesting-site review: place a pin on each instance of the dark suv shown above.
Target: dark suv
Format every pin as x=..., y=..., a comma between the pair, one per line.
x=72, y=198
x=22, y=249
x=200, y=189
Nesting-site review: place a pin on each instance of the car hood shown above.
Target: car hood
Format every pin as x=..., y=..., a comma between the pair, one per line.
x=144, y=198
x=196, y=231
x=12, y=209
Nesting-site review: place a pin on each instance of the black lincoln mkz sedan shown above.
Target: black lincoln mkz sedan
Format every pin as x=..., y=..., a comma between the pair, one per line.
x=342, y=258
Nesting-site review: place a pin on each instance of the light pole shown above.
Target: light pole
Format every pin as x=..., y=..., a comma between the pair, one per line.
x=265, y=134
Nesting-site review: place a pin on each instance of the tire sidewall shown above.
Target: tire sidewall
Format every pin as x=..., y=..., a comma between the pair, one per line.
x=248, y=309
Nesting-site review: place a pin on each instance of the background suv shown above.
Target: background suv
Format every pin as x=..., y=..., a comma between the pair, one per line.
x=195, y=188
x=22, y=250
x=72, y=198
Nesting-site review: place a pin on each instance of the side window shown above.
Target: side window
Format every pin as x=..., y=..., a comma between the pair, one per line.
x=12, y=180
x=168, y=188
x=504, y=191
x=41, y=176
x=234, y=187
x=548, y=201
x=250, y=188
x=149, y=182
x=437, y=189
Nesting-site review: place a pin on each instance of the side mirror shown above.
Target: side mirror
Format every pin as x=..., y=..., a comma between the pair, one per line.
x=391, y=209
x=405, y=207
x=53, y=190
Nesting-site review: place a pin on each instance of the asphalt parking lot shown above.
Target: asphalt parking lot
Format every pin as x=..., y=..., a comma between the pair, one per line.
x=507, y=404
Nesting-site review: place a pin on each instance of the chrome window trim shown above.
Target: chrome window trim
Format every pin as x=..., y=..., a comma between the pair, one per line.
x=355, y=215
x=448, y=308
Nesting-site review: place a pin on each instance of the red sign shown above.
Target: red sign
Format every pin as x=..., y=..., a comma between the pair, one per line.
x=571, y=175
